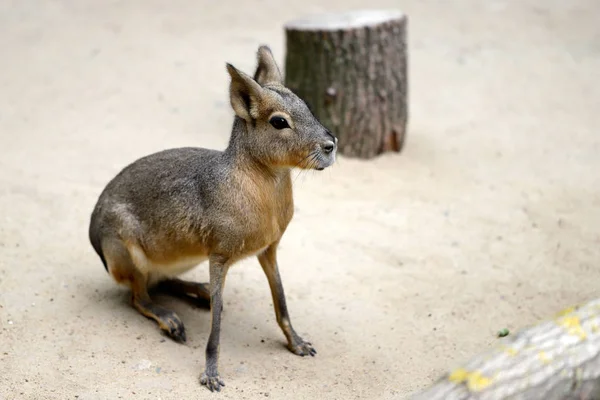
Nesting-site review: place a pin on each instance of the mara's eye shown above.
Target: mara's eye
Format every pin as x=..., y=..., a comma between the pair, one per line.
x=279, y=123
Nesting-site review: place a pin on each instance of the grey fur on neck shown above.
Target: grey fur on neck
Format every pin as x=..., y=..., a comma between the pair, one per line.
x=238, y=153
x=236, y=139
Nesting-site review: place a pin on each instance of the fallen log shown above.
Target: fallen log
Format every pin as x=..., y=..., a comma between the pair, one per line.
x=555, y=360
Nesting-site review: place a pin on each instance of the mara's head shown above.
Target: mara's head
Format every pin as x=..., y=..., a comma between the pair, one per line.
x=281, y=130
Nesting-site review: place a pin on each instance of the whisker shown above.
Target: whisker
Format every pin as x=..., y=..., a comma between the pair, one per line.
x=309, y=163
x=300, y=169
x=301, y=161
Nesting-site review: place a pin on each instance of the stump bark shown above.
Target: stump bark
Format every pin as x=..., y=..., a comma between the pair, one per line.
x=351, y=68
x=555, y=360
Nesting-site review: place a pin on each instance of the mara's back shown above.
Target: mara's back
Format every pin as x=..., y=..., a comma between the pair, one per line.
x=174, y=175
x=158, y=193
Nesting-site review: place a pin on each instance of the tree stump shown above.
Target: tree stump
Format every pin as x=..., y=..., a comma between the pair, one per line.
x=351, y=69
x=555, y=360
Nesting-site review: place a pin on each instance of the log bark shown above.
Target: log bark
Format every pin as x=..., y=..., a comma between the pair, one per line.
x=351, y=68
x=555, y=360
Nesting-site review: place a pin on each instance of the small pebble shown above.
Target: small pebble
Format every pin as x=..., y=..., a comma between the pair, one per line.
x=143, y=364
x=503, y=332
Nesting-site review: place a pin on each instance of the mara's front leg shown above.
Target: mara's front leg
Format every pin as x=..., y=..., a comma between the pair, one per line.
x=268, y=261
x=218, y=271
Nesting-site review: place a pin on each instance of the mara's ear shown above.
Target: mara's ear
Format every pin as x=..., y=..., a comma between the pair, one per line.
x=244, y=94
x=267, y=70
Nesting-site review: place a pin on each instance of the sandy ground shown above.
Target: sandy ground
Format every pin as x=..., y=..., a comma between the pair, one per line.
x=396, y=269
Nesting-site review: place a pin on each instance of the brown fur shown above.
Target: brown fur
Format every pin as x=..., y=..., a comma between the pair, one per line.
x=167, y=212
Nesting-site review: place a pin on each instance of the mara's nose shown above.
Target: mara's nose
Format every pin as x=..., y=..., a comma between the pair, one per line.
x=328, y=146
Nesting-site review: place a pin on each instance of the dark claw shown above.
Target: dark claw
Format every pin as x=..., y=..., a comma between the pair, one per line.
x=181, y=336
x=177, y=333
x=303, y=349
x=212, y=383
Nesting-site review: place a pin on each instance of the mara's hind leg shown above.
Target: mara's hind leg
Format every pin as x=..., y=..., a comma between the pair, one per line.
x=193, y=292
x=123, y=270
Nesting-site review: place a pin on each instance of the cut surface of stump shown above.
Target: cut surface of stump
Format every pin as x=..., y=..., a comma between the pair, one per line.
x=351, y=68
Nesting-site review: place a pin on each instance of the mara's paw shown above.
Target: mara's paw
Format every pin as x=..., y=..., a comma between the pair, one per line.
x=213, y=382
x=172, y=326
x=302, y=348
